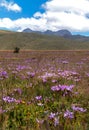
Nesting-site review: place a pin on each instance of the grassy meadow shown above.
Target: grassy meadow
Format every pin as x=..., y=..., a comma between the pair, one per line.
x=44, y=90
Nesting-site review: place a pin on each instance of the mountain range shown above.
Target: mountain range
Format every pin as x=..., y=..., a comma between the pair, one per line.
x=61, y=33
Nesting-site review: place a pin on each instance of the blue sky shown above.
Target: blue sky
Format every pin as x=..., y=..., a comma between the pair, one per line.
x=42, y=15
x=28, y=9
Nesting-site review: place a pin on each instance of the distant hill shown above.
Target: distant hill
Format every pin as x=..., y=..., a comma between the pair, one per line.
x=62, y=33
x=28, y=30
x=37, y=41
x=5, y=31
x=49, y=32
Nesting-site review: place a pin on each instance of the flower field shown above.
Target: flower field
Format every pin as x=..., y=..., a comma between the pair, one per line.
x=44, y=90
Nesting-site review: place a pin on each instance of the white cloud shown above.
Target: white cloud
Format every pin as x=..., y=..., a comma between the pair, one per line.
x=69, y=14
x=59, y=14
x=71, y=6
x=23, y=23
x=10, y=6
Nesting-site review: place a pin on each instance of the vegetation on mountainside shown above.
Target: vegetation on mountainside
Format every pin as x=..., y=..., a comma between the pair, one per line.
x=9, y=40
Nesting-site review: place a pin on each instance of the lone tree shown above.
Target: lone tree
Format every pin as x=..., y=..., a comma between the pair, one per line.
x=16, y=50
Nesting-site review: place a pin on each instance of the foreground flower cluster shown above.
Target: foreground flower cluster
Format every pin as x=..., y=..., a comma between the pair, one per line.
x=44, y=91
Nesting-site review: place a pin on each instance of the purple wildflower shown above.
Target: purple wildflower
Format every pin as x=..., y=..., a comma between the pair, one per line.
x=29, y=102
x=48, y=75
x=52, y=115
x=54, y=81
x=9, y=99
x=69, y=74
x=65, y=62
x=20, y=67
x=66, y=87
x=3, y=75
x=18, y=90
x=18, y=101
x=31, y=74
x=44, y=80
x=39, y=121
x=38, y=97
x=68, y=114
x=14, y=72
x=70, y=87
x=87, y=74
x=55, y=88
x=56, y=121
x=78, y=109
x=62, y=88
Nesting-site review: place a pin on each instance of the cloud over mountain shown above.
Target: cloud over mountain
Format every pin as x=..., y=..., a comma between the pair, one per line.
x=59, y=14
